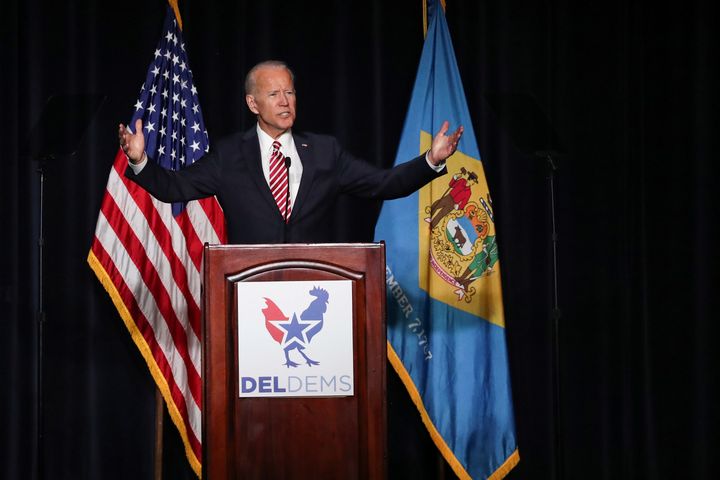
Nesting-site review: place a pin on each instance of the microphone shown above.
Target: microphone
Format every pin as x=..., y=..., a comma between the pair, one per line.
x=287, y=199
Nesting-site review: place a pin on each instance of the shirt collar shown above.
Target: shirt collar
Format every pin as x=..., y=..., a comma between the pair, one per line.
x=266, y=140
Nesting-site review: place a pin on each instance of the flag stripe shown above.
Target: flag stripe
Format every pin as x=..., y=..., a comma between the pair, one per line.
x=167, y=230
x=215, y=231
x=152, y=298
x=142, y=334
x=143, y=325
x=194, y=250
x=148, y=252
x=170, y=271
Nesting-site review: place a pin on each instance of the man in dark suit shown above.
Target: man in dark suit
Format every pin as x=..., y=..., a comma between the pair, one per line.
x=275, y=185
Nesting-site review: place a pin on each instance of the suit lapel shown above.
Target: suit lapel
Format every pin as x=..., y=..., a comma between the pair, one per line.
x=307, y=157
x=250, y=149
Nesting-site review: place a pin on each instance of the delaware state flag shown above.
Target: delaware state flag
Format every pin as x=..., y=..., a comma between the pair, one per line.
x=446, y=327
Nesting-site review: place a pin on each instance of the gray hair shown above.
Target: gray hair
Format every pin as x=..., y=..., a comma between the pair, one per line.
x=250, y=77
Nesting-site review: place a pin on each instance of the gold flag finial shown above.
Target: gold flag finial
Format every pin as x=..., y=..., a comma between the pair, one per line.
x=174, y=5
x=425, y=15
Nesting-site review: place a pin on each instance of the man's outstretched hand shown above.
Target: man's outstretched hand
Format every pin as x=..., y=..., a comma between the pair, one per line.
x=133, y=144
x=444, y=145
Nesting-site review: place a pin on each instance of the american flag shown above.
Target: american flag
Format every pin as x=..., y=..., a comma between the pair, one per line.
x=148, y=254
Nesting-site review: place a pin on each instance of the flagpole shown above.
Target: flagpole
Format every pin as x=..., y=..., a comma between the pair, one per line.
x=441, y=462
x=556, y=314
x=159, y=429
x=40, y=323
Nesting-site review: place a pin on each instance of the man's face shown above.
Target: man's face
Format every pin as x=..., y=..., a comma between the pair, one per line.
x=273, y=100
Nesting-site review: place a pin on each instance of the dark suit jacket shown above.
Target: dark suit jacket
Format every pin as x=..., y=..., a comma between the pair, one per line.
x=233, y=172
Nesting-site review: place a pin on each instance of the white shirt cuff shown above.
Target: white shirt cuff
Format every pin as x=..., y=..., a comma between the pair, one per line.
x=438, y=168
x=137, y=167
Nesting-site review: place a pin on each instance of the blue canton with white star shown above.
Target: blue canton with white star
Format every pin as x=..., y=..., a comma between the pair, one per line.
x=175, y=134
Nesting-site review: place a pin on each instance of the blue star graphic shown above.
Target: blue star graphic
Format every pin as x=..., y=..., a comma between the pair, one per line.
x=295, y=329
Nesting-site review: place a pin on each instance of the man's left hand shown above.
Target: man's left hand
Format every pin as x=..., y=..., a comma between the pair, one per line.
x=444, y=145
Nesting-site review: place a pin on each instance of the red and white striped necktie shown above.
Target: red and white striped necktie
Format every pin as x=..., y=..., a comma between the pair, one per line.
x=279, y=182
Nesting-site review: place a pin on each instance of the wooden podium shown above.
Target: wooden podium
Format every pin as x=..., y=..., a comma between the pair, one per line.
x=299, y=437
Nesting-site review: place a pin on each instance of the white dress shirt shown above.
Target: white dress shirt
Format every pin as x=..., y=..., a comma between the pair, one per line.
x=287, y=148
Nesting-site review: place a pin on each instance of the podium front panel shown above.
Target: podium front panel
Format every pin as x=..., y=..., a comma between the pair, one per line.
x=294, y=437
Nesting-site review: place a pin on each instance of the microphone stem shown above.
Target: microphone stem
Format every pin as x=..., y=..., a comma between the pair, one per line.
x=287, y=198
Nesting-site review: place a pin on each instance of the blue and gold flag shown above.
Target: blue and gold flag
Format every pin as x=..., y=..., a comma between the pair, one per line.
x=446, y=327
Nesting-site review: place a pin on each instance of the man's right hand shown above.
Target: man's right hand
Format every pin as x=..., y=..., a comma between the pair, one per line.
x=444, y=145
x=133, y=144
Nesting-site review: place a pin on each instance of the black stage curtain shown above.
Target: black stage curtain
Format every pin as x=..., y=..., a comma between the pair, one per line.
x=630, y=90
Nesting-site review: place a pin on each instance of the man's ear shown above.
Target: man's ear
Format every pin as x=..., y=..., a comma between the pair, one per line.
x=250, y=100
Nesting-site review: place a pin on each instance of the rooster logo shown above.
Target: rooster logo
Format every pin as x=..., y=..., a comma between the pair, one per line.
x=296, y=334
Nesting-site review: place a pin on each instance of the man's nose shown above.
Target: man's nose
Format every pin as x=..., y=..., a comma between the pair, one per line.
x=283, y=99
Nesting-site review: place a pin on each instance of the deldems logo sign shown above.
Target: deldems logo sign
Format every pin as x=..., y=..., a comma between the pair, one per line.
x=295, y=339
